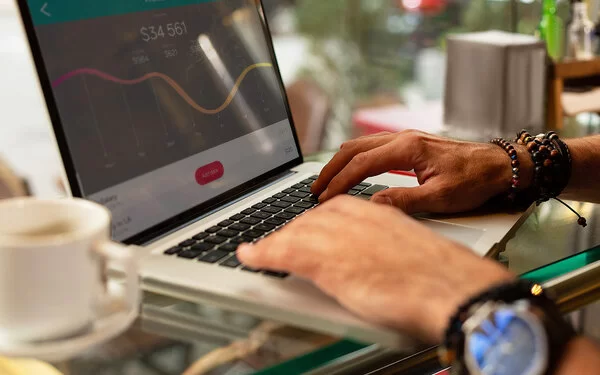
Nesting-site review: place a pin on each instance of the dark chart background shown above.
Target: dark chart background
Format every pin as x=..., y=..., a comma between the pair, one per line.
x=117, y=131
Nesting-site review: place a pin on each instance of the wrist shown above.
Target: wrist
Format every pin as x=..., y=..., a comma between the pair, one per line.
x=503, y=169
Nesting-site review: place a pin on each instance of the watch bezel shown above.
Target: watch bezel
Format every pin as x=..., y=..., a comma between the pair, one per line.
x=524, y=311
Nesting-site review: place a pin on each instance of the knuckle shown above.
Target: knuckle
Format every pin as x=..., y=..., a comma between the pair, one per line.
x=361, y=159
x=348, y=145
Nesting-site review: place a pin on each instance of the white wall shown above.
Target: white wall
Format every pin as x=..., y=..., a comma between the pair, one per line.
x=25, y=138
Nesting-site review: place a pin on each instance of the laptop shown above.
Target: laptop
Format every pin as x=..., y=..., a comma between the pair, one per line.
x=173, y=114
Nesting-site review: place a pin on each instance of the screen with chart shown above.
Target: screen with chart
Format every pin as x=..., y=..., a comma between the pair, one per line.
x=165, y=104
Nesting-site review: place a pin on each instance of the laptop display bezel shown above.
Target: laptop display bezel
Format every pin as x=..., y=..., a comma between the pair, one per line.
x=193, y=213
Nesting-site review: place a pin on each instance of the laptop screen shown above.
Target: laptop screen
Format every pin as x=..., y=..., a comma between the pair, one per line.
x=163, y=104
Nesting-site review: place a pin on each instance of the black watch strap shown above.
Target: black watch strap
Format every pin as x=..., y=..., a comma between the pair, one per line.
x=559, y=332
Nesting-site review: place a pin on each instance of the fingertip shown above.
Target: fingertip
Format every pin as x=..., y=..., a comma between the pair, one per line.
x=324, y=196
x=245, y=252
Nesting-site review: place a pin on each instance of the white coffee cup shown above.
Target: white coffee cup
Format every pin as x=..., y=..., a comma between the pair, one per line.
x=53, y=263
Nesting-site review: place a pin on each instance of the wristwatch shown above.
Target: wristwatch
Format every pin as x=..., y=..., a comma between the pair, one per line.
x=514, y=329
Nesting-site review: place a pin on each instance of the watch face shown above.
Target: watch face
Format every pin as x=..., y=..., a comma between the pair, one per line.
x=506, y=341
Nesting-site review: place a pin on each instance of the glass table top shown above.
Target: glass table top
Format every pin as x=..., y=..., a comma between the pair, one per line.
x=176, y=337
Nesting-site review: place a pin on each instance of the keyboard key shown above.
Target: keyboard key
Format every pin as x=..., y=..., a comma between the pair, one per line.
x=298, y=186
x=226, y=223
x=314, y=178
x=279, y=275
x=281, y=204
x=174, y=250
x=272, y=210
x=248, y=269
x=213, y=230
x=201, y=236
x=275, y=221
x=214, y=256
x=228, y=233
x=300, y=194
x=265, y=227
x=290, y=199
x=308, y=181
x=241, y=239
x=232, y=262
x=253, y=233
x=187, y=243
x=270, y=200
x=279, y=195
x=289, y=191
x=306, y=189
x=365, y=184
x=237, y=217
x=229, y=247
x=249, y=211
x=258, y=206
x=295, y=210
x=190, y=254
x=374, y=189
x=217, y=240
x=250, y=221
x=305, y=205
x=203, y=247
x=261, y=215
x=240, y=227
x=353, y=192
x=359, y=187
x=285, y=216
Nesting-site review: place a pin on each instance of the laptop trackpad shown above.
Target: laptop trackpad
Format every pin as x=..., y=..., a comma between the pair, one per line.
x=464, y=235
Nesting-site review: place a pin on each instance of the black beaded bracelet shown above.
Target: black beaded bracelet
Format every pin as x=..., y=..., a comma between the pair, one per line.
x=553, y=167
x=515, y=183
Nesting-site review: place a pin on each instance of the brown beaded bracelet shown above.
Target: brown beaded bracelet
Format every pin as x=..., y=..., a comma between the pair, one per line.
x=515, y=183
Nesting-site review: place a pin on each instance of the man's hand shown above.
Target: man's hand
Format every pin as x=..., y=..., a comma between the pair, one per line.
x=454, y=176
x=379, y=263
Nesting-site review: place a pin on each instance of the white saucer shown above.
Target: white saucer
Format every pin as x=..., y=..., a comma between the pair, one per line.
x=64, y=349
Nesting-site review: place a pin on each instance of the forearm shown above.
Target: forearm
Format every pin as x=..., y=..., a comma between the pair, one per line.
x=582, y=357
x=585, y=179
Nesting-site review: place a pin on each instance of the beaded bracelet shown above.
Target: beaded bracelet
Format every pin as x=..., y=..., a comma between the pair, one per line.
x=553, y=167
x=515, y=183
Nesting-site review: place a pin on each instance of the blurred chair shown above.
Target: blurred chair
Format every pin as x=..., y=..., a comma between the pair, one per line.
x=310, y=108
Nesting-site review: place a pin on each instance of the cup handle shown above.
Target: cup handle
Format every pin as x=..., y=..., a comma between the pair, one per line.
x=118, y=297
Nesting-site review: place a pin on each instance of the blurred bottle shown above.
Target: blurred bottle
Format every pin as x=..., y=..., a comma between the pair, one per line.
x=580, y=32
x=551, y=30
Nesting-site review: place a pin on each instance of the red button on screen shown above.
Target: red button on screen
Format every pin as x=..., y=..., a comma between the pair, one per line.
x=209, y=173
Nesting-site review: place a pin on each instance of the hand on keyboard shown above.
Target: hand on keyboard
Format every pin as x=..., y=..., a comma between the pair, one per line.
x=379, y=263
x=455, y=176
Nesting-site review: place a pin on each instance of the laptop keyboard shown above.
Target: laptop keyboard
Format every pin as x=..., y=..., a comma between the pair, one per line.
x=217, y=245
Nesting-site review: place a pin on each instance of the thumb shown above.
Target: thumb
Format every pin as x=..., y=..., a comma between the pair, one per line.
x=410, y=200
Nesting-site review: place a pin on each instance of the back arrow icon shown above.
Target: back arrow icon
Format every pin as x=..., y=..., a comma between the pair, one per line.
x=44, y=11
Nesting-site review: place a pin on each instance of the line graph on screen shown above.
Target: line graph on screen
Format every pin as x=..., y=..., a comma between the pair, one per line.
x=168, y=80
x=151, y=78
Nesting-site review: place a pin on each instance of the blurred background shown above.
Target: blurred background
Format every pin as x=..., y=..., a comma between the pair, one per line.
x=363, y=54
